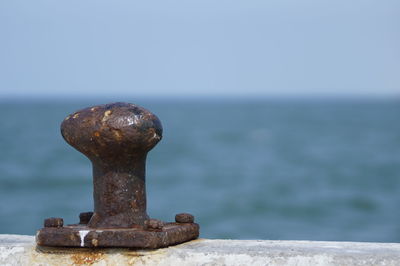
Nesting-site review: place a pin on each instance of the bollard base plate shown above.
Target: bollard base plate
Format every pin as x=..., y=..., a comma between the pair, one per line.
x=80, y=235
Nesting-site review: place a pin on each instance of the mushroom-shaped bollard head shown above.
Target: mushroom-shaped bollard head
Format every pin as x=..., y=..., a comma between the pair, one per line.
x=117, y=130
x=116, y=138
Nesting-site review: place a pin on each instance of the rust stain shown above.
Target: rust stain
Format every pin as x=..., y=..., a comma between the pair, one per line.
x=72, y=237
x=88, y=258
x=134, y=204
x=117, y=134
x=95, y=242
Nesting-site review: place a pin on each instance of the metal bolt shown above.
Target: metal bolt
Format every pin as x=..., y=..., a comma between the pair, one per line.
x=116, y=138
x=154, y=224
x=84, y=217
x=53, y=222
x=184, y=218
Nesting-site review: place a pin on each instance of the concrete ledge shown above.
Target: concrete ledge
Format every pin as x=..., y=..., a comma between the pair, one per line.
x=22, y=250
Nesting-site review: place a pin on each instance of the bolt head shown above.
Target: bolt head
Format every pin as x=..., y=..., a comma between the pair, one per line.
x=184, y=218
x=154, y=224
x=84, y=217
x=53, y=222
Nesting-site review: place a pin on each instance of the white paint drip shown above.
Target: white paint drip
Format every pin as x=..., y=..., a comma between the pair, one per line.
x=82, y=235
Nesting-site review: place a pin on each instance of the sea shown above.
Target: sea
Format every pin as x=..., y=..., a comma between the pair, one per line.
x=246, y=168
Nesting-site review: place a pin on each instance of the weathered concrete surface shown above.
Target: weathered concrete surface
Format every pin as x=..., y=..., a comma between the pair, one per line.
x=21, y=250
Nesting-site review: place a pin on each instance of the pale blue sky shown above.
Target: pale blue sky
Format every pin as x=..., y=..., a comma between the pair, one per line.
x=208, y=47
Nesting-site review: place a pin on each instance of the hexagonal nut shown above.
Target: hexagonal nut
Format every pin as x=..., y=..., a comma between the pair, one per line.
x=53, y=222
x=154, y=224
x=184, y=218
x=84, y=217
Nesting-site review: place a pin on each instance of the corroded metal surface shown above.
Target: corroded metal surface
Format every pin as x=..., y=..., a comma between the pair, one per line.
x=83, y=236
x=184, y=218
x=116, y=138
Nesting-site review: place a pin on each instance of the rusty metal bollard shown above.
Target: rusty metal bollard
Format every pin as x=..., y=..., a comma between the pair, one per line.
x=116, y=138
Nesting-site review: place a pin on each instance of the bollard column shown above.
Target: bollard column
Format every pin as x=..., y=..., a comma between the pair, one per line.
x=116, y=138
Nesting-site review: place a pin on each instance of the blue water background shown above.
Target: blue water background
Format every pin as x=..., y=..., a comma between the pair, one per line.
x=315, y=169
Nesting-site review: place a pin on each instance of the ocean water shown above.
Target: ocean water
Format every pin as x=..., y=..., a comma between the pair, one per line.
x=247, y=169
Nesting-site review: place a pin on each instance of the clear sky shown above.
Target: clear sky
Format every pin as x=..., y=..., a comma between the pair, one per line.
x=207, y=47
